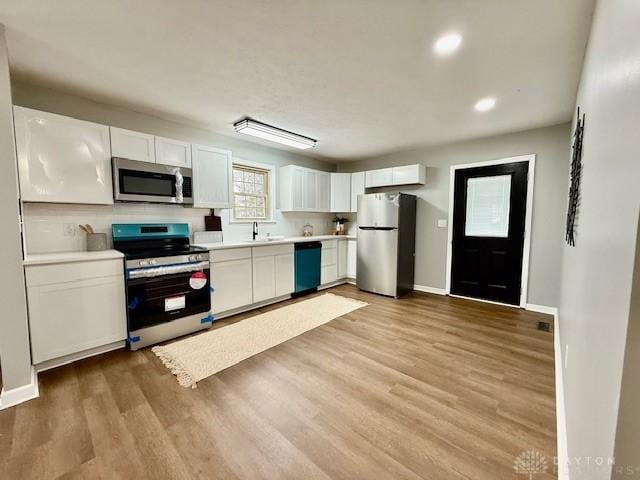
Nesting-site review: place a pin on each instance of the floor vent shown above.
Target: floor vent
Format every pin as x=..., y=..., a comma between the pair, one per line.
x=544, y=326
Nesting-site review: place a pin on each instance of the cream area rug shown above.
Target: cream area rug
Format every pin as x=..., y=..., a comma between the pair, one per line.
x=201, y=356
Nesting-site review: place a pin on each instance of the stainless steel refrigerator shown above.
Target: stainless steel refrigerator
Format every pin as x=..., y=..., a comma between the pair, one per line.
x=386, y=243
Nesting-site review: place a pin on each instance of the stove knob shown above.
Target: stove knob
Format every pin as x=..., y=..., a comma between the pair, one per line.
x=153, y=261
x=198, y=257
x=144, y=263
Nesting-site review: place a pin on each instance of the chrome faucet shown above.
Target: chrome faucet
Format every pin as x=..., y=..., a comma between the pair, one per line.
x=255, y=230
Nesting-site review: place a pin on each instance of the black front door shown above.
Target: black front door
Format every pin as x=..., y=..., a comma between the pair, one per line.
x=489, y=213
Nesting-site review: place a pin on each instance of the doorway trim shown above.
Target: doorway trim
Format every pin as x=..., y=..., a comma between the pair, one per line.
x=524, y=284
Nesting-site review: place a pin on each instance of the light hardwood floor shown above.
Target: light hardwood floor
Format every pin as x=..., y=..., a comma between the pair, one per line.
x=425, y=387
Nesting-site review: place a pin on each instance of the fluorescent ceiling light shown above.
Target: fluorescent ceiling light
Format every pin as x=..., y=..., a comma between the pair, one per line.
x=274, y=134
x=485, y=104
x=447, y=44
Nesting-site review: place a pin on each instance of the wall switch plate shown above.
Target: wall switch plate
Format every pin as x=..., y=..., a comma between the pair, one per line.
x=442, y=223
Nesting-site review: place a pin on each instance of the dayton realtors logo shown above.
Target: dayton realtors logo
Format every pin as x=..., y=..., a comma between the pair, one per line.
x=530, y=462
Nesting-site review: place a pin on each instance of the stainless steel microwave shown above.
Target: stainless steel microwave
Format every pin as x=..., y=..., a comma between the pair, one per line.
x=135, y=181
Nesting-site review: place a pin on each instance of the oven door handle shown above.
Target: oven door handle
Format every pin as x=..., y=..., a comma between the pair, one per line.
x=151, y=272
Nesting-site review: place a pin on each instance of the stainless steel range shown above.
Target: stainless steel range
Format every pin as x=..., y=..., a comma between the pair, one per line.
x=167, y=279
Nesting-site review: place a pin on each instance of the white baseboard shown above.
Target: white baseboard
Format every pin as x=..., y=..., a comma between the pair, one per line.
x=542, y=309
x=15, y=396
x=561, y=420
x=423, y=288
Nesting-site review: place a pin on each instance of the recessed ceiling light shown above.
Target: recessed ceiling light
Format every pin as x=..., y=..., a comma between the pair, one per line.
x=485, y=104
x=273, y=134
x=447, y=44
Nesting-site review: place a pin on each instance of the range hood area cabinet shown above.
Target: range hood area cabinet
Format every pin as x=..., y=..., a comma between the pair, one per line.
x=62, y=159
x=144, y=147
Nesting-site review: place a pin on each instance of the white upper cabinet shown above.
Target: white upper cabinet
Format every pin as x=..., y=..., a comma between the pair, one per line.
x=409, y=174
x=211, y=167
x=132, y=145
x=323, y=195
x=62, y=159
x=379, y=178
x=173, y=152
x=304, y=189
x=340, y=192
x=357, y=188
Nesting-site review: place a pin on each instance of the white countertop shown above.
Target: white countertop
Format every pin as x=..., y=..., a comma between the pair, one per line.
x=261, y=243
x=68, y=257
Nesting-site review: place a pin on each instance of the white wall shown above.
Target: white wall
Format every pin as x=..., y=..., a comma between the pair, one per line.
x=15, y=356
x=597, y=273
x=550, y=144
x=45, y=223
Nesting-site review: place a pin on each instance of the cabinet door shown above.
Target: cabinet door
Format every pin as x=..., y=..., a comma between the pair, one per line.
x=71, y=317
x=357, y=188
x=299, y=186
x=61, y=159
x=132, y=145
x=409, y=174
x=352, y=258
x=340, y=192
x=378, y=178
x=264, y=274
x=323, y=191
x=173, y=152
x=232, y=283
x=328, y=274
x=211, y=167
x=342, y=258
x=284, y=274
x=311, y=191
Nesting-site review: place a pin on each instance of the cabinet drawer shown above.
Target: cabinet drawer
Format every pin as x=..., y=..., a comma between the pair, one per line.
x=229, y=254
x=72, y=272
x=329, y=244
x=270, y=250
x=328, y=256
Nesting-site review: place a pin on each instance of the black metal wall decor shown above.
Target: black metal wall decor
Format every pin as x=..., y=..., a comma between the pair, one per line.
x=574, y=187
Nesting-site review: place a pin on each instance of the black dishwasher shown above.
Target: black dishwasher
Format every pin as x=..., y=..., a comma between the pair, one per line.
x=307, y=266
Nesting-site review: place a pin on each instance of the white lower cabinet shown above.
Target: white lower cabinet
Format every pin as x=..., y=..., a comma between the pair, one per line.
x=284, y=274
x=231, y=278
x=352, y=258
x=264, y=274
x=273, y=271
x=329, y=262
x=75, y=307
x=342, y=258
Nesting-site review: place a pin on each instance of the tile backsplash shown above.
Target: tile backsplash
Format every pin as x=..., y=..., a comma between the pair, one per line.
x=54, y=227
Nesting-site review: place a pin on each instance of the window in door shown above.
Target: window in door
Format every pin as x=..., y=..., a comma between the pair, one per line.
x=251, y=193
x=487, y=213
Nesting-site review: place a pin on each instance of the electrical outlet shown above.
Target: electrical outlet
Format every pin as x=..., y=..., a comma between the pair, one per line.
x=442, y=223
x=69, y=229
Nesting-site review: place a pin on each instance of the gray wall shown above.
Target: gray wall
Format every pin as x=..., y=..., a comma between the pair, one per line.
x=551, y=145
x=14, y=334
x=597, y=273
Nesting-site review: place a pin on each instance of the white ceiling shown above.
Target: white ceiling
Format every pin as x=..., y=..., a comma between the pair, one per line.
x=358, y=75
